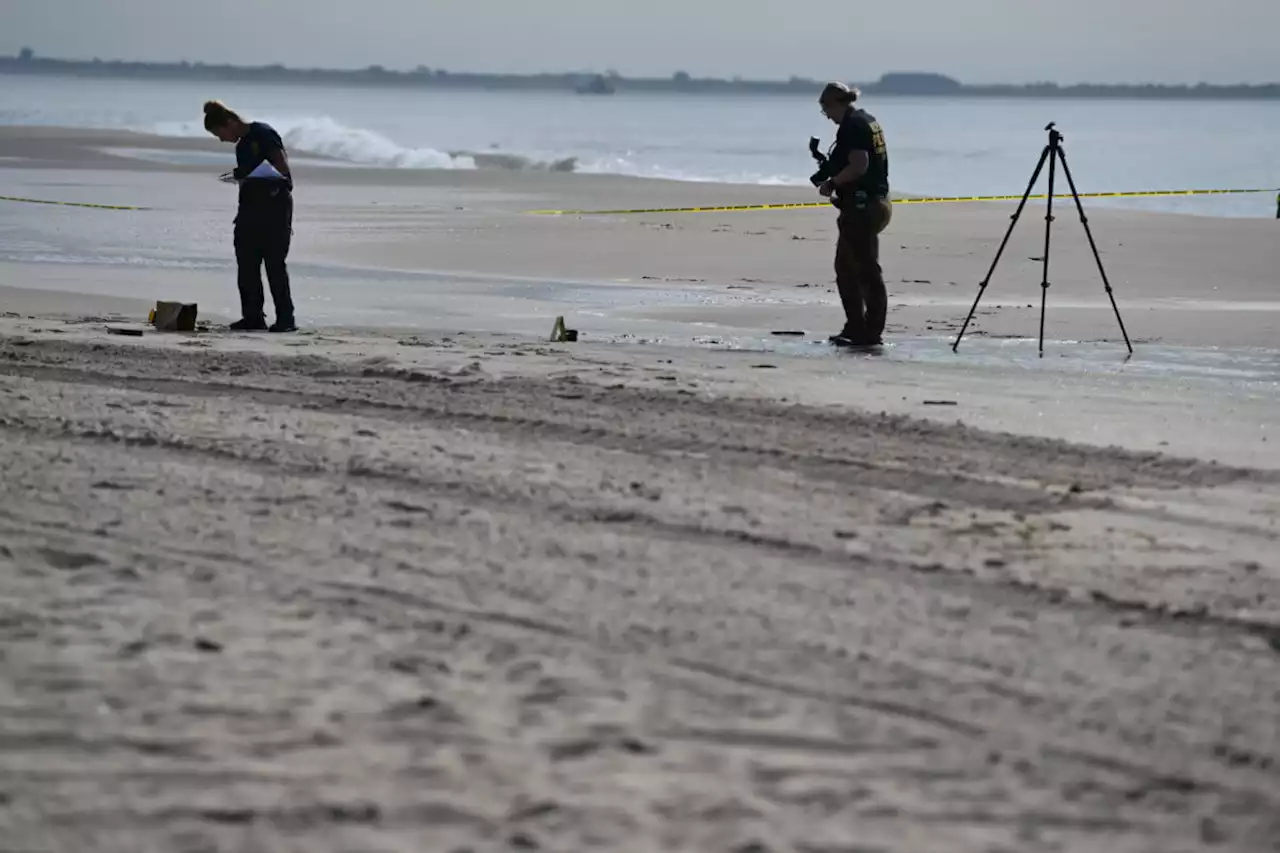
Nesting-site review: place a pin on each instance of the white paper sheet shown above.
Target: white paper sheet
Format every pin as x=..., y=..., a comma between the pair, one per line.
x=266, y=170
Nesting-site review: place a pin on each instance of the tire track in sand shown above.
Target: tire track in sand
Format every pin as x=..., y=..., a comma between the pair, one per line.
x=511, y=620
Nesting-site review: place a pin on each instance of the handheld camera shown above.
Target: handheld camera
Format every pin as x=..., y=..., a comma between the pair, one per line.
x=824, y=164
x=825, y=169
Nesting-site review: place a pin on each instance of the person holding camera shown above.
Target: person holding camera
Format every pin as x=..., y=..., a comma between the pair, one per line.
x=264, y=218
x=858, y=164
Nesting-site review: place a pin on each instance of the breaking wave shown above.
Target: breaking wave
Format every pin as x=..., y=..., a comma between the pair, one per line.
x=325, y=137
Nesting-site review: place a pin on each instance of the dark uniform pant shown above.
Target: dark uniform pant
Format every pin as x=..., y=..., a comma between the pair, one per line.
x=264, y=230
x=858, y=275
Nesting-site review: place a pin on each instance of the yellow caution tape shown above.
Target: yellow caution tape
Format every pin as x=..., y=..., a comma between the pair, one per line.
x=71, y=203
x=918, y=200
x=745, y=207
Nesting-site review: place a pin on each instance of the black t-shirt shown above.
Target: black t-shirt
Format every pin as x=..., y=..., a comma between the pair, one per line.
x=252, y=151
x=859, y=131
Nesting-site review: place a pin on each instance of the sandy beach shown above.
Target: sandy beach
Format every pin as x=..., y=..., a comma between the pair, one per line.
x=418, y=579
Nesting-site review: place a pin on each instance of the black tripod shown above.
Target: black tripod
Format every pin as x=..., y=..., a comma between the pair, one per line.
x=1053, y=153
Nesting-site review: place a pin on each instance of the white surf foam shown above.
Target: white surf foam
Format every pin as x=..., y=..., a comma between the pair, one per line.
x=328, y=138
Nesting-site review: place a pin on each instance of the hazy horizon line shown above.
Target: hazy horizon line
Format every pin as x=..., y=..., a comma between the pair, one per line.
x=611, y=74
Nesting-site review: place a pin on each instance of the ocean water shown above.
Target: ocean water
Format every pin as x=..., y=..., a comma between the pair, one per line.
x=938, y=146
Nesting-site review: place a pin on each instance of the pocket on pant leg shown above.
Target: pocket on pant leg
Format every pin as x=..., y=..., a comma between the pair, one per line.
x=243, y=245
x=884, y=215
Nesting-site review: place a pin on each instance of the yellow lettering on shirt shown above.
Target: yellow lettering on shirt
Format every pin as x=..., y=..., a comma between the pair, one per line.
x=877, y=138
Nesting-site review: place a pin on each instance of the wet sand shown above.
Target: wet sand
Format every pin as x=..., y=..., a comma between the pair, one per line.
x=455, y=250
x=450, y=587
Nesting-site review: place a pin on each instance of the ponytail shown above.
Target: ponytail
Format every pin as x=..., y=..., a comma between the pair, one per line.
x=840, y=93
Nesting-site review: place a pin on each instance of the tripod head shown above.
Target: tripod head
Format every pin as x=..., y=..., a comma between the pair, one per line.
x=1054, y=137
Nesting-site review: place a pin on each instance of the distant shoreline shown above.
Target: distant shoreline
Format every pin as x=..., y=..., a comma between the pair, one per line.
x=591, y=84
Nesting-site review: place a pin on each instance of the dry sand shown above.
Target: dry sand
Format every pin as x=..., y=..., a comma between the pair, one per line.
x=446, y=587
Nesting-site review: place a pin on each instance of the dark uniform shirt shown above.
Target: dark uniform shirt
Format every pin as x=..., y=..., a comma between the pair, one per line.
x=859, y=131
x=252, y=151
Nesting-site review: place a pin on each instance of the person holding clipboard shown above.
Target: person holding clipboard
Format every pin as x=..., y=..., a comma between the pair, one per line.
x=264, y=219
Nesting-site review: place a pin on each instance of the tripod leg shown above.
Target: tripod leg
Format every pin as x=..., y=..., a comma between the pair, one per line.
x=1084, y=220
x=982, y=286
x=1048, y=229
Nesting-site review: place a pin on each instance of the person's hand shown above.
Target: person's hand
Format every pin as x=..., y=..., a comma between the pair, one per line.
x=826, y=188
x=227, y=177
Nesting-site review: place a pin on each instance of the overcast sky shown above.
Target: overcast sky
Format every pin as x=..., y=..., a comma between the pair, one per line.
x=978, y=41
